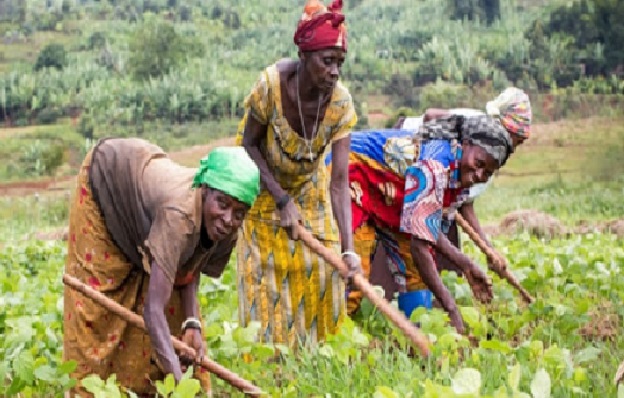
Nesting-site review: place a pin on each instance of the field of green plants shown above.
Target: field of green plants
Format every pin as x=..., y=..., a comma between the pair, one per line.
x=176, y=72
x=567, y=344
x=125, y=65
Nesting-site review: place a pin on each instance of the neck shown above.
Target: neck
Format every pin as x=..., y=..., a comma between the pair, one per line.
x=307, y=91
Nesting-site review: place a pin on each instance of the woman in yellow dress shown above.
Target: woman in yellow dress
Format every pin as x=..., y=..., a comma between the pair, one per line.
x=297, y=112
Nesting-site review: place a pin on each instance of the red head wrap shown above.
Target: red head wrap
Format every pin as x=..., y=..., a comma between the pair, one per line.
x=321, y=27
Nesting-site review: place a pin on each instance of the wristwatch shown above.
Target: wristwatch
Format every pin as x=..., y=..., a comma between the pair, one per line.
x=191, y=323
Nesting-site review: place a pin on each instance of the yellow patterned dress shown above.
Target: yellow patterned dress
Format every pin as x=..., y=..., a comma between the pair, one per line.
x=292, y=292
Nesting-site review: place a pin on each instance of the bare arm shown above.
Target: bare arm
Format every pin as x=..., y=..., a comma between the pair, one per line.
x=454, y=254
x=158, y=295
x=480, y=284
x=191, y=336
x=468, y=212
x=190, y=306
x=253, y=136
x=497, y=262
x=429, y=274
x=340, y=193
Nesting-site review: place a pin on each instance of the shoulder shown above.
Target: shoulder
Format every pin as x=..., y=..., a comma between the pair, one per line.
x=341, y=96
x=166, y=191
x=128, y=146
x=124, y=159
x=279, y=71
x=340, y=113
x=438, y=150
x=285, y=65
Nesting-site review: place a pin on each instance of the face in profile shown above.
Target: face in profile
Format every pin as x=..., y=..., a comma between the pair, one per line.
x=324, y=66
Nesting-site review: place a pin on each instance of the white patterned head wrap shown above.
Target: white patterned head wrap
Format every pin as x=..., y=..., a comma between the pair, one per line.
x=484, y=131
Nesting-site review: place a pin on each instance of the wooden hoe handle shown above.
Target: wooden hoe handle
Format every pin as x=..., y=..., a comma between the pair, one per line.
x=136, y=320
x=489, y=252
x=411, y=332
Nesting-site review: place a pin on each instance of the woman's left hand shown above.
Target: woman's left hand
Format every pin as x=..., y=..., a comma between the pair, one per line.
x=497, y=262
x=192, y=338
x=479, y=282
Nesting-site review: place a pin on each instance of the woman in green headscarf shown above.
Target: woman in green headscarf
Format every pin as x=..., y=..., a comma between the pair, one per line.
x=141, y=230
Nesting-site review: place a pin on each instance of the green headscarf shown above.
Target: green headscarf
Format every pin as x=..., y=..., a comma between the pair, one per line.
x=231, y=171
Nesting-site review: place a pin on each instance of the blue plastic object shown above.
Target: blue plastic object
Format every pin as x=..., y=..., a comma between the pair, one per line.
x=409, y=301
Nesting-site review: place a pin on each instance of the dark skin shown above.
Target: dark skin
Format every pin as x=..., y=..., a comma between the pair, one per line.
x=467, y=210
x=476, y=166
x=221, y=218
x=318, y=73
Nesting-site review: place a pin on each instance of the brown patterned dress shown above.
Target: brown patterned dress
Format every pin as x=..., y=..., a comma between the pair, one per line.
x=145, y=210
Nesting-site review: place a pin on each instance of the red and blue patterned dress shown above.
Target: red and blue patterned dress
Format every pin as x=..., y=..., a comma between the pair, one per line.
x=394, y=197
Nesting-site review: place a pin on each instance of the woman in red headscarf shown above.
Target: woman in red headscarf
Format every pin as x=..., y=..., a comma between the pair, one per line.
x=295, y=114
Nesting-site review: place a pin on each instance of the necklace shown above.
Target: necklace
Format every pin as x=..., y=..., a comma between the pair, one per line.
x=318, y=109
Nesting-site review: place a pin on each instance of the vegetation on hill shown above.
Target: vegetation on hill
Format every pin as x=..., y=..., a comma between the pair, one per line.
x=177, y=71
x=129, y=63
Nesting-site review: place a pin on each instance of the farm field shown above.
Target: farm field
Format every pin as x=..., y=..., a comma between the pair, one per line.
x=176, y=72
x=567, y=344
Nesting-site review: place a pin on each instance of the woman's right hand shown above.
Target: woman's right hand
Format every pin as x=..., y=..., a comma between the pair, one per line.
x=290, y=218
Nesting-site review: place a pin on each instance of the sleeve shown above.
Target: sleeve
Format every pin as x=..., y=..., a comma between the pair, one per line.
x=257, y=104
x=214, y=266
x=348, y=120
x=169, y=239
x=259, y=99
x=425, y=182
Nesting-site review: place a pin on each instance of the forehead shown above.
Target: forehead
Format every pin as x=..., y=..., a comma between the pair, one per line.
x=330, y=53
x=478, y=152
x=220, y=195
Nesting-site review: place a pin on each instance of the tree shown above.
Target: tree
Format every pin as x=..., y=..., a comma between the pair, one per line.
x=52, y=56
x=610, y=25
x=491, y=9
x=596, y=29
x=66, y=7
x=157, y=48
x=484, y=10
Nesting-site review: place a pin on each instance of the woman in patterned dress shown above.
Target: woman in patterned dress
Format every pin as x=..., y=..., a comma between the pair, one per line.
x=296, y=112
x=141, y=231
x=400, y=189
x=513, y=108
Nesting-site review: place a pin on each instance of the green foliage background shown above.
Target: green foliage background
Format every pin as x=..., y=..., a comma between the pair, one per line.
x=132, y=62
x=177, y=72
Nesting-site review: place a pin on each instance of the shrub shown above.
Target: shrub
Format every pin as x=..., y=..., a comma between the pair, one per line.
x=86, y=126
x=42, y=158
x=96, y=40
x=52, y=56
x=157, y=48
x=48, y=116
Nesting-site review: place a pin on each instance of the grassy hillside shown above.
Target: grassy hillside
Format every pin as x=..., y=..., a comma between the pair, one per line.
x=570, y=169
x=412, y=52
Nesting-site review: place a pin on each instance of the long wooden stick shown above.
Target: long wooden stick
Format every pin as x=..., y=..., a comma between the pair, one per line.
x=411, y=332
x=489, y=252
x=136, y=320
